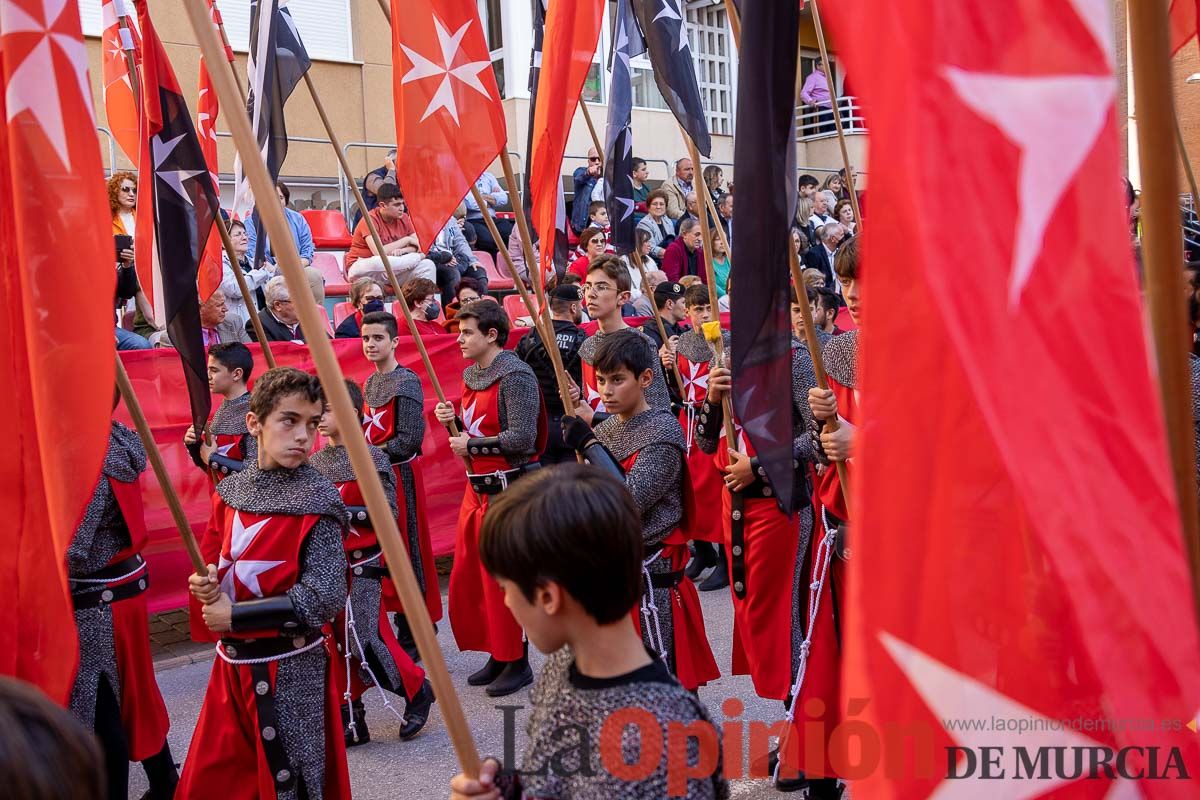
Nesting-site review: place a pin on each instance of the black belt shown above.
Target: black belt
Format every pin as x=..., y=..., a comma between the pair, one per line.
x=496, y=482
x=737, y=543
x=665, y=580
x=360, y=517
x=93, y=595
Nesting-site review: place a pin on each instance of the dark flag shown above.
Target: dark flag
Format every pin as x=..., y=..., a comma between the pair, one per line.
x=666, y=38
x=184, y=203
x=618, y=138
x=561, y=246
x=277, y=63
x=764, y=157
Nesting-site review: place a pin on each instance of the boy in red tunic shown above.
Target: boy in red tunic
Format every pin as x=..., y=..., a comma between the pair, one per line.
x=269, y=725
x=363, y=634
x=394, y=421
x=115, y=691
x=502, y=431
x=645, y=447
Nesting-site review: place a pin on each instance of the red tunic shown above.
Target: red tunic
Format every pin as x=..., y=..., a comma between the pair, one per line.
x=591, y=392
x=379, y=425
x=478, y=616
x=360, y=538
x=694, y=662
x=822, y=677
x=259, y=557
x=143, y=712
x=705, y=477
x=230, y=445
x=233, y=446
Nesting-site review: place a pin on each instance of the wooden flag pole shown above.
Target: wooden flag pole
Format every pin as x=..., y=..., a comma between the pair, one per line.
x=160, y=469
x=837, y=115
x=387, y=11
x=130, y=61
x=339, y=399
x=1161, y=248
x=587, y=117
x=532, y=263
x=228, y=49
x=247, y=296
x=735, y=22
x=636, y=257
x=385, y=260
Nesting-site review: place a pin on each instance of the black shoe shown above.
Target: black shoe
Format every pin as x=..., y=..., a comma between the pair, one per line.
x=825, y=789
x=416, y=714
x=404, y=636
x=705, y=556
x=516, y=676
x=719, y=578
x=491, y=670
x=783, y=783
x=359, y=734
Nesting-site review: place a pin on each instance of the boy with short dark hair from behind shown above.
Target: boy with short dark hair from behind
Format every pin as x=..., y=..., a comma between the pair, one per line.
x=565, y=546
x=645, y=447
x=372, y=655
x=270, y=718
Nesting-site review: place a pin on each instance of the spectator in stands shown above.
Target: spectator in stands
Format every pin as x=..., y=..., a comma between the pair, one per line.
x=585, y=179
x=815, y=93
x=657, y=224
x=721, y=265
x=255, y=278
x=644, y=306
x=280, y=321
x=122, y=203
x=725, y=215
x=468, y=291
x=641, y=190
x=593, y=243
x=376, y=178
x=825, y=306
x=813, y=279
x=724, y=300
x=454, y=260
x=843, y=213
x=295, y=220
x=820, y=255
x=516, y=251
x=800, y=243
x=468, y=230
x=422, y=296
x=837, y=184
x=803, y=222
x=807, y=185
x=676, y=189
x=692, y=203
x=714, y=176
x=399, y=243
x=823, y=203
x=493, y=197
x=216, y=325
x=685, y=255
x=366, y=295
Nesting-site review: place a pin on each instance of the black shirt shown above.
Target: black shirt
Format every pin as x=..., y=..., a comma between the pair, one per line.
x=530, y=349
x=650, y=328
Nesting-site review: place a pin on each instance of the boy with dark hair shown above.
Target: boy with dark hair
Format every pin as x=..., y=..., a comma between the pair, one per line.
x=825, y=306
x=565, y=547
x=229, y=367
x=502, y=431
x=115, y=692
x=269, y=719
x=645, y=447
x=373, y=656
x=566, y=312
x=394, y=421
x=693, y=356
x=605, y=291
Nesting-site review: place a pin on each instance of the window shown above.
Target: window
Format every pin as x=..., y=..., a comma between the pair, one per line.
x=324, y=25
x=711, y=45
x=493, y=29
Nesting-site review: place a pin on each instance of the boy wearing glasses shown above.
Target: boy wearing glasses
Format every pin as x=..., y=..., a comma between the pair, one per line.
x=605, y=290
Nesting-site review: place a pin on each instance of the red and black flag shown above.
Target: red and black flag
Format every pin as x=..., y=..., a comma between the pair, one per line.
x=618, y=138
x=764, y=157
x=184, y=203
x=665, y=29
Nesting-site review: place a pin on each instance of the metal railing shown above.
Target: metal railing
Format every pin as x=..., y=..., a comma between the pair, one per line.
x=814, y=122
x=112, y=151
x=1191, y=222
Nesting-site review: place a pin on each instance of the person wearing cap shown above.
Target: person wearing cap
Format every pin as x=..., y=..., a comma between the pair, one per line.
x=566, y=310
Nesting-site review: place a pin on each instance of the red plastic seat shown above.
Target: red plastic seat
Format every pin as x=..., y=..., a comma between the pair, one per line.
x=329, y=231
x=341, y=311
x=497, y=281
x=325, y=318
x=511, y=216
x=329, y=264
x=515, y=308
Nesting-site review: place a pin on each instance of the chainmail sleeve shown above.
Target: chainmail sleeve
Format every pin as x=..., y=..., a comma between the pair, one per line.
x=410, y=430
x=320, y=591
x=520, y=400
x=655, y=474
x=804, y=377
x=82, y=557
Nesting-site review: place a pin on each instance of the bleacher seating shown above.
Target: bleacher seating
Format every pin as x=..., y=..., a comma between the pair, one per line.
x=325, y=318
x=497, y=281
x=514, y=306
x=328, y=227
x=329, y=264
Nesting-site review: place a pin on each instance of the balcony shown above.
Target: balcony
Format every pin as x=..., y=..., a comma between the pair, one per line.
x=817, y=147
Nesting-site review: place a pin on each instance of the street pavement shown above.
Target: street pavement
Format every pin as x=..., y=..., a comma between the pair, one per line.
x=388, y=769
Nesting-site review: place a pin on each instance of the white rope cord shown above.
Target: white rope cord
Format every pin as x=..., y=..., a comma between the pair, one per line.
x=650, y=611
x=691, y=426
x=346, y=696
x=268, y=659
x=352, y=631
x=820, y=569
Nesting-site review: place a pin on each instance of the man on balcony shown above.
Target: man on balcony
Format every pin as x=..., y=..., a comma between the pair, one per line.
x=815, y=93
